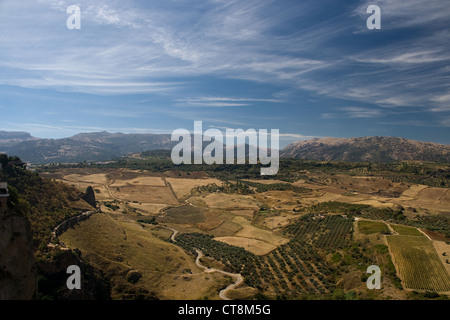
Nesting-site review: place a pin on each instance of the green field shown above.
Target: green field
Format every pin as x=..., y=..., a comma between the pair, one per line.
x=406, y=231
x=418, y=263
x=370, y=227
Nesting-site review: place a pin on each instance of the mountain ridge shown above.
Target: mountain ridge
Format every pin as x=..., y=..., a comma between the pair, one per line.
x=371, y=149
x=104, y=146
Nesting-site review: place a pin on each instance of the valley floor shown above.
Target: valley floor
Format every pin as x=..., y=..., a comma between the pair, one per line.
x=297, y=243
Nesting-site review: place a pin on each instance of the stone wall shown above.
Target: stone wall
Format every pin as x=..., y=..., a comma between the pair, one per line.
x=70, y=223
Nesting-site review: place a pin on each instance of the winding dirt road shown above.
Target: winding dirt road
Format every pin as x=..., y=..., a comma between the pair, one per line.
x=237, y=276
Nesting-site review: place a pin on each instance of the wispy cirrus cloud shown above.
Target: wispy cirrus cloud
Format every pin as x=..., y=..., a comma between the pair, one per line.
x=224, y=101
x=206, y=59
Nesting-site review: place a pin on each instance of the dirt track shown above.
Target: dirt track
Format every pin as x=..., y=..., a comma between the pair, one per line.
x=223, y=293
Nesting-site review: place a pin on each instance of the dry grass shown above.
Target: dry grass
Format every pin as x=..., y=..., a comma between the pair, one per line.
x=151, y=209
x=117, y=246
x=413, y=190
x=228, y=201
x=140, y=181
x=443, y=251
x=227, y=228
x=146, y=194
x=277, y=222
x=255, y=246
x=182, y=187
x=252, y=232
x=185, y=214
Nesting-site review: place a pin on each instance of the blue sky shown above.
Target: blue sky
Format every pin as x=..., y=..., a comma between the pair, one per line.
x=307, y=68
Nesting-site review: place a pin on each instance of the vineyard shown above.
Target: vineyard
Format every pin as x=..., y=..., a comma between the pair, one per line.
x=407, y=231
x=418, y=263
x=370, y=227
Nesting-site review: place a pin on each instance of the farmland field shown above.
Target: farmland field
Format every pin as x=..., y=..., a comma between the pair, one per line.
x=418, y=263
x=369, y=227
x=310, y=238
x=407, y=231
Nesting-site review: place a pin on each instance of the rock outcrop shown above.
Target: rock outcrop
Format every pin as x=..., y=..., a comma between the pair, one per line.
x=89, y=196
x=18, y=276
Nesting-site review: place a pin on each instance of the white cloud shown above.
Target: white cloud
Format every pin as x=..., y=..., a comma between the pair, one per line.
x=358, y=112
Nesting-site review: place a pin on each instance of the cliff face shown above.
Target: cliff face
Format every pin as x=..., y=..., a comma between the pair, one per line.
x=18, y=278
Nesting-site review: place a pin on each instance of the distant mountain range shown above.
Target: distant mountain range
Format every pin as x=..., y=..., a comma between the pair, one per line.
x=103, y=146
x=10, y=138
x=370, y=149
x=97, y=146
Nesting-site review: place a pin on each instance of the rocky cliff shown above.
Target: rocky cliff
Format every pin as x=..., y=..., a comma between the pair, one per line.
x=18, y=277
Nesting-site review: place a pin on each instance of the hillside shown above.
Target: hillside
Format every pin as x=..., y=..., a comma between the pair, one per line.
x=370, y=149
x=35, y=206
x=96, y=146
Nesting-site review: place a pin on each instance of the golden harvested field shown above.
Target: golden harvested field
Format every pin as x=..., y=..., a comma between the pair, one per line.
x=276, y=222
x=443, y=248
x=252, y=232
x=227, y=228
x=182, y=187
x=244, y=213
x=144, y=194
x=418, y=263
x=140, y=181
x=255, y=246
x=413, y=190
x=433, y=194
x=213, y=219
x=228, y=201
x=148, y=208
x=185, y=214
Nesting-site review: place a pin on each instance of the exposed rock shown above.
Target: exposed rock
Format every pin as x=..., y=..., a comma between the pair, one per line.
x=89, y=196
x=133, y=276
x=18, y=276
